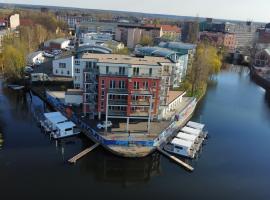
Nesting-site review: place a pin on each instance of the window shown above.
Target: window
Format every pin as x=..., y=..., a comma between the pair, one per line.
x=56, y=71
x=112, y=84
x=62, y=65
x=107, y=70
x=77, y=62
x=136, y=71
x=150, y=71
x=136, y=85
x=122, y=84
x=67, y=72
x=122, y=70
x=145, y=85
x=62, y=72
x=88, y=65
x=77, y=86
x=102, y=105
x=102, y=94
x=102, y=84
x=154, y=84
x=77, y=70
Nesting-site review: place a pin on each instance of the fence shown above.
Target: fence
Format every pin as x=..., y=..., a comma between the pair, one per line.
x=90, y=132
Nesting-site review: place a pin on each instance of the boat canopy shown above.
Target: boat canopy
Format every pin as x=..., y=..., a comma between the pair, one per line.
x=186, y=136
x=182, y=143
x=195, y=125
x=55, y=117
x=65, y=125
x=191, y=131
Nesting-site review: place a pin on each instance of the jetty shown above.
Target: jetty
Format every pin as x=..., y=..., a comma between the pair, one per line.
x=83, y=153
x=175, y=159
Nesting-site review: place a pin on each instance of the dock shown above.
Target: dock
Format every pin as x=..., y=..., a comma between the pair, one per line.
x=83, y=153
x=178, y=161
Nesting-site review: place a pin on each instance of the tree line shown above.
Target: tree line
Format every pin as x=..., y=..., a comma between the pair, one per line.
x=37, y=28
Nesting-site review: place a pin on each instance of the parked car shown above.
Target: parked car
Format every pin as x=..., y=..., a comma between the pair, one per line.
x=103, y=125
x=48, y=55
x=39, y=77
x=28, y=70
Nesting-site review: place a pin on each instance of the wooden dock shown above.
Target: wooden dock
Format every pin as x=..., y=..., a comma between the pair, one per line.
x=178, y=161
x=83, y=153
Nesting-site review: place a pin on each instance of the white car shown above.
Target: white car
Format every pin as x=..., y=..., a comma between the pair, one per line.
x=103, y=125
x=48, y=55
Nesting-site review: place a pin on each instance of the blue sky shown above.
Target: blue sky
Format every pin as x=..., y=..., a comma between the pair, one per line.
x=225, y=9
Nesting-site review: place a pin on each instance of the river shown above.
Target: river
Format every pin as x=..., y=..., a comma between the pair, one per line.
x=234, y=163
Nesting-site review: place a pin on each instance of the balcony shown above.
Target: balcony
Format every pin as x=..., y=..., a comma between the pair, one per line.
x=117, y=102
x=139, y=114
x=140, y=102
x=118, y=90
x=117, y=113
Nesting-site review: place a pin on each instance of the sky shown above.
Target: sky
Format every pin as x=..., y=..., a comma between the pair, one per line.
x=255, y=10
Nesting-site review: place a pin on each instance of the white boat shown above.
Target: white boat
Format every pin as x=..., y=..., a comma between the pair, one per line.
x=181, y=147
x=197, y=141
x=65, y=129
x=193, y=131
x=195, y=125
x=59, y=125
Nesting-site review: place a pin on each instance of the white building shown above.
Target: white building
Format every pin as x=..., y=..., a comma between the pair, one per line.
x=59, y=43
x=64, y=67
x=14, y=21
x=74, y=97
x=35, y=58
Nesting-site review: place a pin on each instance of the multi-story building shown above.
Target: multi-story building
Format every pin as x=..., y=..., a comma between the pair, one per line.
x=180, y=60
x=219, y=39
x=120, y=86
x=131, y=35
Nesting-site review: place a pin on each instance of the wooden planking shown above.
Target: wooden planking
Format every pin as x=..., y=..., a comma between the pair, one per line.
x=178, y=161
x=83, y=153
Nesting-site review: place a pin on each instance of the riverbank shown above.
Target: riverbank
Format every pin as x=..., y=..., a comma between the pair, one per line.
x=261, y=79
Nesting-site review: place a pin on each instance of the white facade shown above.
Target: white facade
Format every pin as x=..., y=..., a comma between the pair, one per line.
x=14, y=21
x=74, y=97
x=64, y=67
x=35, y=58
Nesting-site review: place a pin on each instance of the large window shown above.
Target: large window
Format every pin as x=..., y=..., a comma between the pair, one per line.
x=136, y=85
x=107, y=70
x=77, y=62
x=122, y=70
x=136, y=71
x=122, y=84
x=62, y=65
x=77, y=70
x=145, y=85
x=150, y=71
x=112, y=84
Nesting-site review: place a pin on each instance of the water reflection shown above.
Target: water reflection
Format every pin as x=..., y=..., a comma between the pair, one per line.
x=1, y=141
x=112, y=169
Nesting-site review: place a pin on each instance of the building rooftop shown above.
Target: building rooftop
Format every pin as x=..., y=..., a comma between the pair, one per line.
x=74, y=92
x=58, y=40
x=172, y=95
x=125, y=59
x=177, y=45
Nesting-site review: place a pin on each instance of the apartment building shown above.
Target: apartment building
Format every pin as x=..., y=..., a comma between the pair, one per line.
x=131, y=35
x=126, y=87
x=219, y=39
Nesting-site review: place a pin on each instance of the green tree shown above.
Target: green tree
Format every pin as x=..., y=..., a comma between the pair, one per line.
x=146, y=41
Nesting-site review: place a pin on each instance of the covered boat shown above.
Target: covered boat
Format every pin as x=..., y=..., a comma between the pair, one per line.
x=181, y=147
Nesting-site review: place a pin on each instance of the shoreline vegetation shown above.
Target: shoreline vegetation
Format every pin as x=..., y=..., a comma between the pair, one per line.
x=36, y=27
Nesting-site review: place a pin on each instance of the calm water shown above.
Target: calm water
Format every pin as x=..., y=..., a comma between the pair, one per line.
x=235, y=163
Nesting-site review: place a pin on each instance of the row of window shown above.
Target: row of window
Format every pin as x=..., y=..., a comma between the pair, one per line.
x=62, y=72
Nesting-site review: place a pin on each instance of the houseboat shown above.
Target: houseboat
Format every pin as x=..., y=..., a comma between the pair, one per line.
x=181, y=147
x=58, y=125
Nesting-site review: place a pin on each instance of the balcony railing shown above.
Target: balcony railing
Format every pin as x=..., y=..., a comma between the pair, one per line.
x=139, y=114
x=140, y=103
x=118, y=90
x=117, y=113
x=117, y=102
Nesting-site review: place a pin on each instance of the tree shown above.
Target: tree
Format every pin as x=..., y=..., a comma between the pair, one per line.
x=123, y=51
x=146, y=41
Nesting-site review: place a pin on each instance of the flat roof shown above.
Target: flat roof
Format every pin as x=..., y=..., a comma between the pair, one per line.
x=195, y=125
x=74, y=92
x=186, y=136
x=173, y=95
x=55, y=117
x=65, y=125
x=125, y=59
x=191, y=130
x=182, y=143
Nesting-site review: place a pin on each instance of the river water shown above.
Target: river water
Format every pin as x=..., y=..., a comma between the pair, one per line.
x=234, y=164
